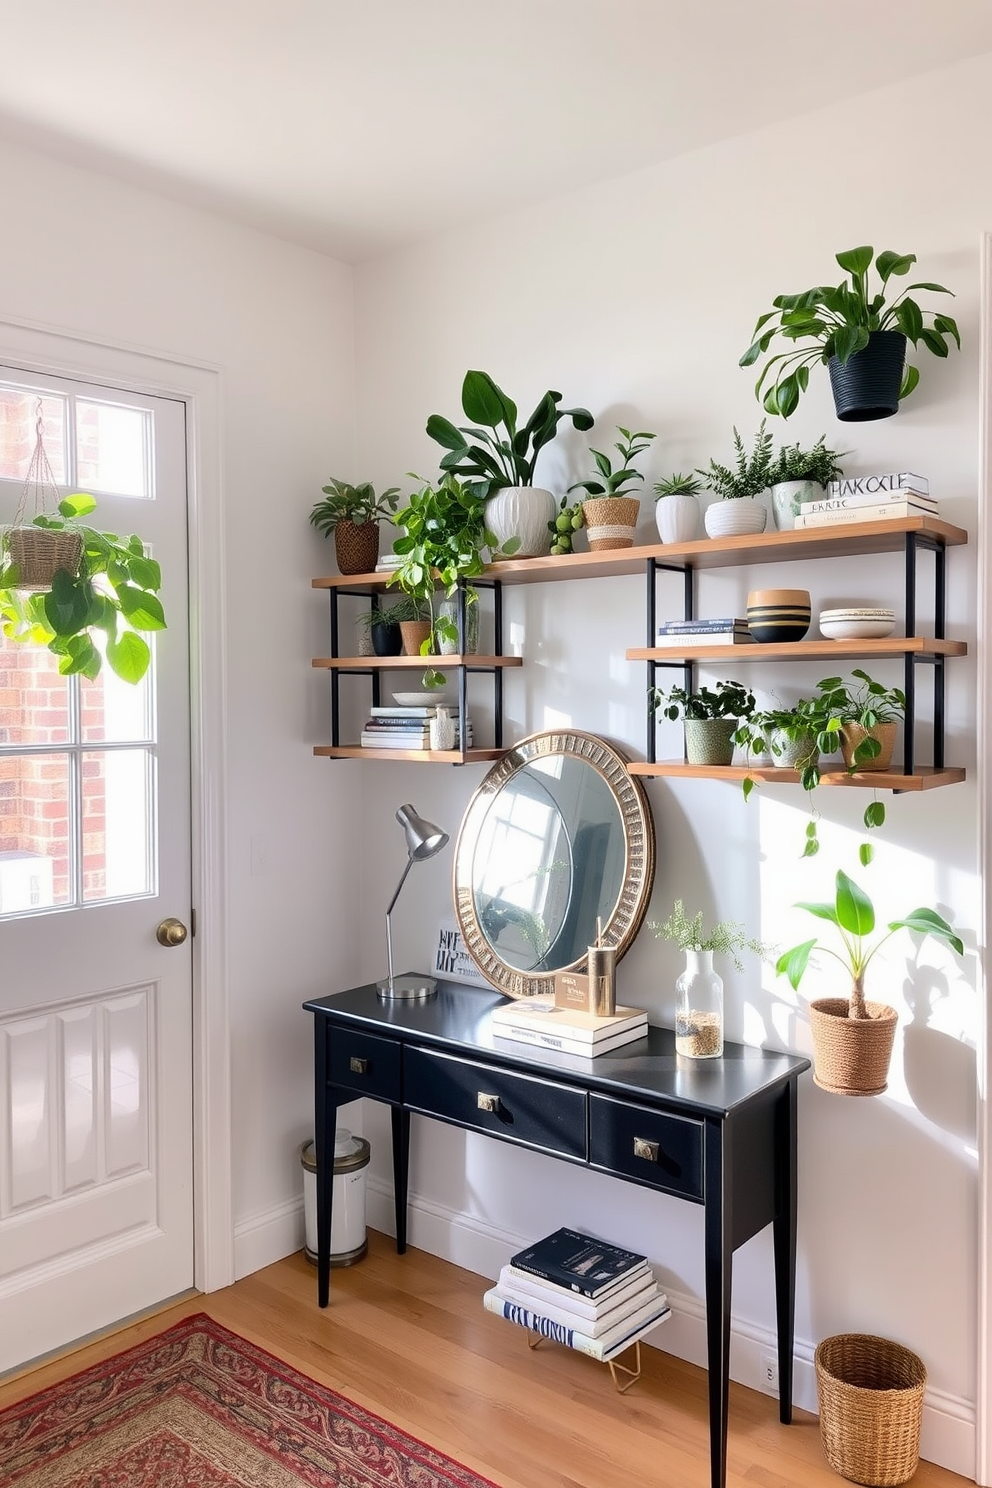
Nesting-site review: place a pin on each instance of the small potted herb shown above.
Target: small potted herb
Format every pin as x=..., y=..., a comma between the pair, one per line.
x=735, y=511
x=710, y=718
x=676, y=508
x=799, y=475
x=857, y=332
x=611, y=513
x=352, y=513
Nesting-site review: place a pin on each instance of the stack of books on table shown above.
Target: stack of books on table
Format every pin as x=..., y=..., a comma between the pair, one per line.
x=536, y=1020
x=870, y=498
x=406, y=728
x=582, y=1292
x=723, y=631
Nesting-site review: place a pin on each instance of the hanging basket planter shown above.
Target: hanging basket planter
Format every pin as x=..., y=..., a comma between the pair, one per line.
x=867, y=385
x=38, y=554
x=871, y=1408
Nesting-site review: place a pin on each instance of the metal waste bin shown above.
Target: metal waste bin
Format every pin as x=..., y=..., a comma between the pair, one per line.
x=349, y=1241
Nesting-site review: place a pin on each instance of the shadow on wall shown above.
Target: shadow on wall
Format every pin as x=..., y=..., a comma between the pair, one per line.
x=940, y=1069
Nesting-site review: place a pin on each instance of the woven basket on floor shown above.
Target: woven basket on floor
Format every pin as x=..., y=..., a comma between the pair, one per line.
x=356, y=546
x=871, y=1408
x=39, y=553
x=851, y=1055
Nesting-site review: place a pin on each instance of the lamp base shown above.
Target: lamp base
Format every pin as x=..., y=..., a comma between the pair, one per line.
x=410, y=988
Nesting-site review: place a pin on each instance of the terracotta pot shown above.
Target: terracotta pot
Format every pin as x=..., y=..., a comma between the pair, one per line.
x=356, y=546
x=851, y=735
x=851, y=1055
x=611, y=522
x=414, y=633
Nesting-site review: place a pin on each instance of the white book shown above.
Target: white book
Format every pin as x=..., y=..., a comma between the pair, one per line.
x=399, y=741
x=556, y=1042
x=720, y=622
x=705, y=638
x=890, y=511
x=875, y=485
x=533, y=1291
x=838, y=503
x=605, y=1347
x=543, y=1016
x=593, y=1327
x=386, y=710
x=639, y=1274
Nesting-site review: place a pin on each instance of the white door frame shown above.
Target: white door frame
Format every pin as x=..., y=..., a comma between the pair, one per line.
x=45, y=349
x=983, y=1401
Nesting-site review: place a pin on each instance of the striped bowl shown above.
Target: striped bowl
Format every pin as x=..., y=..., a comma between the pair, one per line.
x=778, y=614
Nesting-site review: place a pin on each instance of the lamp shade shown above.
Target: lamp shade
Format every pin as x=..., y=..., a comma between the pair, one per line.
x=423, y=838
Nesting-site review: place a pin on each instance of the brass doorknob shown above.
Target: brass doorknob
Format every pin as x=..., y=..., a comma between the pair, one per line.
x=171, y=932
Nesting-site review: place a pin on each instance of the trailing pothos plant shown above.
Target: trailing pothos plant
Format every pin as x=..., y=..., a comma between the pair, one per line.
x=113, y=594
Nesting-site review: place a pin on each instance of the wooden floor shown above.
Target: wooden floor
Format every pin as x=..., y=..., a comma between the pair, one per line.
x=408, y=1338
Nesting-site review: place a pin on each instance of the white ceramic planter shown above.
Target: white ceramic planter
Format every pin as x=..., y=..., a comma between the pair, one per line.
x=787, y=497
x=677, y=518
x=523, y=512
x=734, y=518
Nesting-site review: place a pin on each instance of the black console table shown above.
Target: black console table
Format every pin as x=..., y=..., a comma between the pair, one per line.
x=720, y=1132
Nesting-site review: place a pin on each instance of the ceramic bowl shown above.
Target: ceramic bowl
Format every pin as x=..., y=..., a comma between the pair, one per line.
x=778, y=614
x=420, y=699
x=854, y=625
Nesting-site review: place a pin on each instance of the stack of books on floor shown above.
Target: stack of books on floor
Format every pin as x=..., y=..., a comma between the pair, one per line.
x=406, y=728
x=581, y=1292
x=536, y=1020
x=870, y=498
x=723, y=631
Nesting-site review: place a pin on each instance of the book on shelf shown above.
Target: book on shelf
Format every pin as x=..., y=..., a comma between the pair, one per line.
x=605, y=1347
x=705, y=638
x=873, y=485
x=402, y=741
x=588, y=1028
x=394, y=710
x=840, y=503
x=581, y=1262
x=414, y=726
x=887, y=511
x=388, y=563
x=560, y=1043
x=719, y=622
x=544, y=1296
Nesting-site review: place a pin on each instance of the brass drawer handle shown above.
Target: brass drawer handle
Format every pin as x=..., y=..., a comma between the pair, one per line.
x=487, y=1102
x=648, y=1150
x=358, y=1066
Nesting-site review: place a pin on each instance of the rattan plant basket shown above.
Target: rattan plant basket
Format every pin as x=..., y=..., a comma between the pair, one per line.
x=851, y=1055
x=40, y=552
x=356, y=546
x=610, y=521
x=871, y=1407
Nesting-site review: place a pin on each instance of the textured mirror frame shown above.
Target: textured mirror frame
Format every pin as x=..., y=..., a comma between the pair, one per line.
x=638, y=828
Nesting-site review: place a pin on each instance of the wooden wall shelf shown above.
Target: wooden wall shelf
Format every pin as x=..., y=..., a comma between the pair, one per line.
x=924, y=777
x=891, y=646
x=414, y=663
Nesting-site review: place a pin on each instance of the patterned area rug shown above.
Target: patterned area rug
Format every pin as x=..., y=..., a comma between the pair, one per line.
x=200, y=1406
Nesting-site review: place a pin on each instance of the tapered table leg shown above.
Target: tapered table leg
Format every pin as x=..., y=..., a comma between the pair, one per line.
x=401, y=1172
x=719, y=1261
x=784, y=1235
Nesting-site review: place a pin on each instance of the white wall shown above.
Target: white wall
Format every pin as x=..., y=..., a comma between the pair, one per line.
x=636, y=298
x=105, y=261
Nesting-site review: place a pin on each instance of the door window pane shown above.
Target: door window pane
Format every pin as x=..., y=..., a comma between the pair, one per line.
x=34, y=698
x=113, y=449
x=35, y=832
x=18, y=419
x=117, y=823
x=113, y=711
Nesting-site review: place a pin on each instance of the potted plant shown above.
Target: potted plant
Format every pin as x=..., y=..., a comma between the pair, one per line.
x=699, y=990
x=499, y=465
x=735, y=511
x=111, y=597
x=859, y=335
x=792, y=738
x=852, y=1038
x=352, y=513
x=564, y=526
x=382, y=627
x=676, y=509
x=710, y=718
x=611, y=513
x=799, y=475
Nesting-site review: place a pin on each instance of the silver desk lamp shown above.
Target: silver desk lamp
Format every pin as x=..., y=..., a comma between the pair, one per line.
x=423, y=840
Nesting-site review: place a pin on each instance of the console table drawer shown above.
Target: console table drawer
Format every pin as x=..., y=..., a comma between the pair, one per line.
x=520, y=1108
x=649, y=1146
x=362, y=1062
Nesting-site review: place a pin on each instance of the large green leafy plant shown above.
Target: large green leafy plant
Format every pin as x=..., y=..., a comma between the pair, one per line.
x=838, y=319
x=358, y=504
x=113, y=595
x=500, y=454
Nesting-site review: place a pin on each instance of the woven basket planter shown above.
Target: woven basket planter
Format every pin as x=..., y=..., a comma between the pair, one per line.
x=709, y=741
x=851, y=1055
x=39, y=553
x=414, y=633
x=356, y=546
x=611, y=522
x=871, y=1407
x=851, y=735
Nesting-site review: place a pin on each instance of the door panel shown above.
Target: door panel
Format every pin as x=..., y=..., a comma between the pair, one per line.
x=95, y=1015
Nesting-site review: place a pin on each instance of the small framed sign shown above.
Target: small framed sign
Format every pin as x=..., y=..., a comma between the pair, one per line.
x=452, y=961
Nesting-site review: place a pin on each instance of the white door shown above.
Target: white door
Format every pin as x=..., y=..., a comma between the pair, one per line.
x=95, y=1013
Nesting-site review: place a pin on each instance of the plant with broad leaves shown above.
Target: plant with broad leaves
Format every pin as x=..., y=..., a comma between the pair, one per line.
x=864, y=704
x=358, y=504
x=853, y=915
x=728, y=937
x=610, y=482
x=751, y=472
x=807, y=726
x=113, y=594
x=726, y=700
x=838, y=319
x=503, y=454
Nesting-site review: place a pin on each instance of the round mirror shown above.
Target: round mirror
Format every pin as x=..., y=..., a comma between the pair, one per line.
x=556, y=842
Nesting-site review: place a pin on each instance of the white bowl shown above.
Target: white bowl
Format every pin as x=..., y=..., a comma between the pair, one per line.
x=420, y=699
x=856, y=628
x=859, y=612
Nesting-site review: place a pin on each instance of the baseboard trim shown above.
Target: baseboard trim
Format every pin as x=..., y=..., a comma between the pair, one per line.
x=949, y=1428
x=267, y=1238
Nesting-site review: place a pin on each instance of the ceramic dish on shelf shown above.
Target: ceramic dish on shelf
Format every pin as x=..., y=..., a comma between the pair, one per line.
x=857, y=622
x=421, y=699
